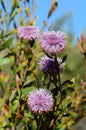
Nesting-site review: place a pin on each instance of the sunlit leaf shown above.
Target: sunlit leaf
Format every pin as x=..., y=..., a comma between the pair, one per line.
x=27, y=10
x=72, y=82
x=0, y=11
x=60, y=126
x=14, y=31
x=33, y=21
x=7, y=43
x=69, y=82
x=4, y=61
x=4, y=19
x=15, y=13
x=53, y=8
x=26, y=91
x=73, y=114
x=14, y=5
x=67, y=102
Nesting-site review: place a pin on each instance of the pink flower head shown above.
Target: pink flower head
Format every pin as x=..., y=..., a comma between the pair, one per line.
x=53, y=42
x=29, y=33
x=40, y=101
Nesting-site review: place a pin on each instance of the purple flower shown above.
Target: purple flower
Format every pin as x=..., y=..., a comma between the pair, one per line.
x=40, y=101
x=29, y=33
x=47, y=65
x=53, y=42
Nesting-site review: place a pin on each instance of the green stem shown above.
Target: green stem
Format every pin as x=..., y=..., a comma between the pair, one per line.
x=15, y=126
x=38, y=119
x=48, y=85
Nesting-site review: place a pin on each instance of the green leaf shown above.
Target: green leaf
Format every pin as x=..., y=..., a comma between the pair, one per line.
x=7, y=43
x=15, y=13
x=64, y=58
x=73, y=114
x=60, y=126
x=27, y=10
x=30, y=79
x=4, y=61
x=67, y=82
x=73, y=80
x=39, y=80
x=53, y=8
x=15, y=4
x=68, y=102
x=26, y=91
x=2, y=3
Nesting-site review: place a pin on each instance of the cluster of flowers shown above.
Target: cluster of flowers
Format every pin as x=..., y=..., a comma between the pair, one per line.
x=41, y=100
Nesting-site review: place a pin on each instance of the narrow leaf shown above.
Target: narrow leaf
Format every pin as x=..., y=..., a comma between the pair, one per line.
x=67, y=82
x=15, y=4
x=4, y=61
x=26, y=91
x=52, y=9
x=64, y=58
x=2, y=3
x=68, y=102
x=7, y=43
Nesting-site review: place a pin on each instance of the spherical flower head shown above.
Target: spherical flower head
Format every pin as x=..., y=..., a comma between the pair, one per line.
x=48, y=65
x=40, y=101
x=53, y=42
x=29, y=33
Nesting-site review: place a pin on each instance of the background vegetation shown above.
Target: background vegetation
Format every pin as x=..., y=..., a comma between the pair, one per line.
x=13, y=61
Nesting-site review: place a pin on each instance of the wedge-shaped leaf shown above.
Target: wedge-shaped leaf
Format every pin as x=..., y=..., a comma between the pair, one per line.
x=14, y=31
x=4, y=18
x=73, y=114
x=4, y=61
x=60, y=126
x=69, y=82
x=30, y=79
x=15, y=13
x=38, y=80
x=73, y=80
x=64, y=58
x=67, y=102
x=27, y=10
x=26, y=91
x=53, y=8
x=6, y=44
x=15, y=4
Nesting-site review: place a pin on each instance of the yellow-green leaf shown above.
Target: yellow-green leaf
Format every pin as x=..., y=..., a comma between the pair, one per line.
x=53, y=8
x=7, y=43
x=26, y=91
x=4, y=61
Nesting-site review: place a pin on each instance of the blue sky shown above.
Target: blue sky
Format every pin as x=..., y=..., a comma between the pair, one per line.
x=76, y=7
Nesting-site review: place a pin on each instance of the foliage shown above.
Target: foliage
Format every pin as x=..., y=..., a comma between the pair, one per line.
x=20, y=74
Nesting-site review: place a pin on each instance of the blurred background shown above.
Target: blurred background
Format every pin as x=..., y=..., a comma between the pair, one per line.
x=64, y=15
